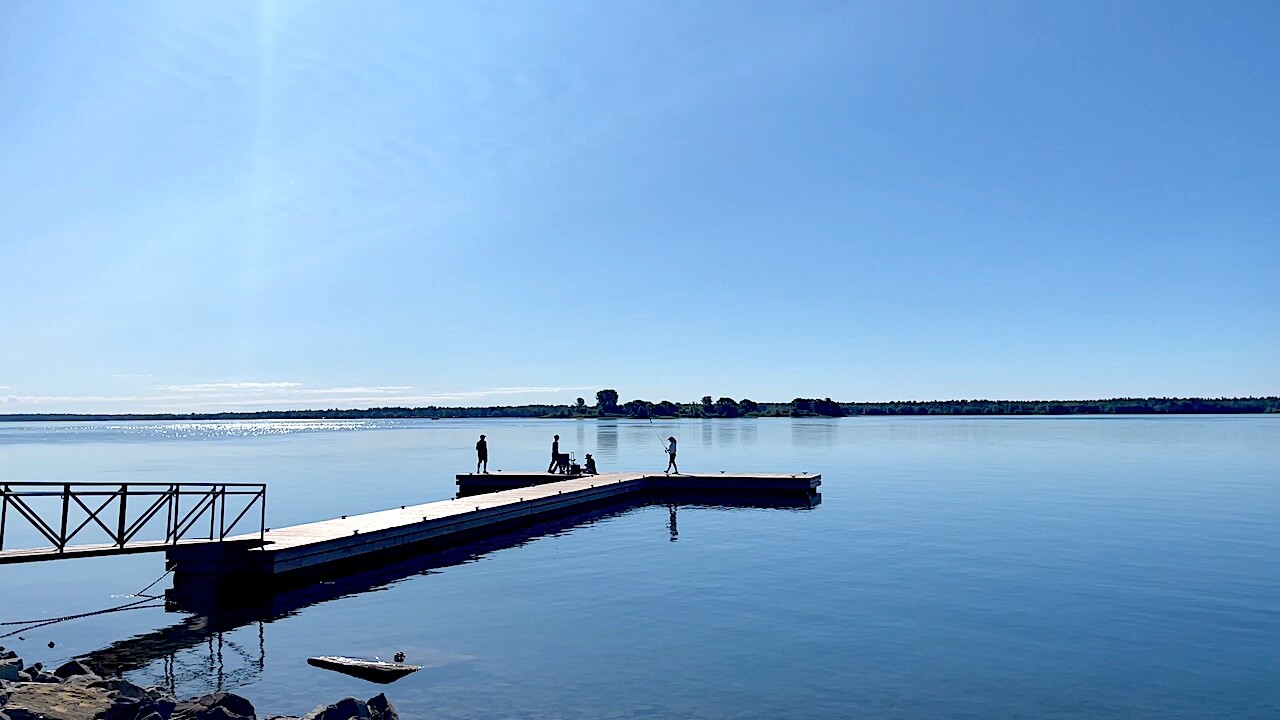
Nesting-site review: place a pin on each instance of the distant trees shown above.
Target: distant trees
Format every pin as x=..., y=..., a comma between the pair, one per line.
x=607, y=401
x=725, y=407
x=666, y=408
x=638, y=409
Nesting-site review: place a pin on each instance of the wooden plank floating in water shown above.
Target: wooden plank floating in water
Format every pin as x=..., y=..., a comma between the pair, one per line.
x=371, y=670
x=318, y=545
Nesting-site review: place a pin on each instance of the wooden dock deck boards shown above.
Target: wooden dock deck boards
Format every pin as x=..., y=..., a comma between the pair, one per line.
x=470, y=484
x=412, y=516
x=315, y=545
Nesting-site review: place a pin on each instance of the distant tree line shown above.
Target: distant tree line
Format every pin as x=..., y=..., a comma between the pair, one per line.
x=608, y=406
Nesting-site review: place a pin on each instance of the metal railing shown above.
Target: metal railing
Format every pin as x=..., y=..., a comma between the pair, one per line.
x=87, y=506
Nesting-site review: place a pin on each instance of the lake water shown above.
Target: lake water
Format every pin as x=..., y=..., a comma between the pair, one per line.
x=1074, y=567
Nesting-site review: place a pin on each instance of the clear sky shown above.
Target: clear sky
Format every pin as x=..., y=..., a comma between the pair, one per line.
x=226, y=205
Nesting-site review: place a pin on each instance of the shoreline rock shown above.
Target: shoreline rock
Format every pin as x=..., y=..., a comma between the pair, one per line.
x=76, y=692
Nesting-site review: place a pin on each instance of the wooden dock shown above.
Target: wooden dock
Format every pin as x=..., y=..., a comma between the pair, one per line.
x=766, y=483
x=321, y=547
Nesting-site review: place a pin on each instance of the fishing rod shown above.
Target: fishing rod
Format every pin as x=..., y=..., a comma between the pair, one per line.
x=661, y=442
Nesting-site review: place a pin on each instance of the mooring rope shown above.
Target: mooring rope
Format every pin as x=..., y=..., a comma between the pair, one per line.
x=135, y=605
x=138, y=604
x=142, y=592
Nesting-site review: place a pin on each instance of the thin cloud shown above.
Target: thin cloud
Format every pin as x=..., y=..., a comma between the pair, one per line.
x=288, y=396
x=223, y=386
x=533, y=390
x=320, y=401
x=363, y=390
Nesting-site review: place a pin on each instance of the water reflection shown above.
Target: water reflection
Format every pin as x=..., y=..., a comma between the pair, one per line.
x=149, y=431
x=816, y=432
x=607, y=440
x=197, y=653
x=729, y=434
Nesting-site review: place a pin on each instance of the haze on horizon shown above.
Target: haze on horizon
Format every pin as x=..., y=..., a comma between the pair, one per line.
x=277, y=205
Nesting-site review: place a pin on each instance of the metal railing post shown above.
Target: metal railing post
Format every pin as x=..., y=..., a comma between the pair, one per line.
x=4, y=512
x=124, y=495
x=169, y=521
x=262, y=522
x=222, y=516
x=66, y=509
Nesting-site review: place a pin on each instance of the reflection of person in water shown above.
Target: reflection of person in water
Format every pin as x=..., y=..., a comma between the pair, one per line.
x=671, y=522
x=590, y=468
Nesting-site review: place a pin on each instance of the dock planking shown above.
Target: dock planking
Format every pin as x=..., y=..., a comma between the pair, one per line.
x=476, y=483
x=531, y=497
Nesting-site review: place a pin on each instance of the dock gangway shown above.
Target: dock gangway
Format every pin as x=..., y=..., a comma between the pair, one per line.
x=84, y=519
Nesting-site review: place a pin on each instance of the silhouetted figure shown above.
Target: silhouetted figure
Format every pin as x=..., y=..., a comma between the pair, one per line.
x=671, y=455
x=590, y=468
x=555, y=455
x=482, y=455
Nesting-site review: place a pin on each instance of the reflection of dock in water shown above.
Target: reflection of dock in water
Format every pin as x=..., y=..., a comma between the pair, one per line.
x=223, y=607
x=170, y=643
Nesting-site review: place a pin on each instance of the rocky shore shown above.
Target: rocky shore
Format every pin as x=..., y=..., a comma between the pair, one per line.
x=76, y=692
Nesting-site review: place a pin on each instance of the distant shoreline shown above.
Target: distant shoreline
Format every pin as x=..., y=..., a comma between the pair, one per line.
x=722, y=408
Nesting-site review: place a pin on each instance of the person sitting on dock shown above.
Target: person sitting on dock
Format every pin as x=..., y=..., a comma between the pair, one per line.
x=482, y=455
x=671, y=455
x=555, y=455
x=590, y=468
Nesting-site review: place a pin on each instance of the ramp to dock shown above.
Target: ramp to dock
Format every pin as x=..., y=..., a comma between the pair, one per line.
x=532, y=497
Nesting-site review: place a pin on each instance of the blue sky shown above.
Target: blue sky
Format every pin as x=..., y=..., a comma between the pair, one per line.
x=211, y=206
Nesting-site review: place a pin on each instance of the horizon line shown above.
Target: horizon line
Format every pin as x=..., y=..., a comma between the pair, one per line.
x=90, y=415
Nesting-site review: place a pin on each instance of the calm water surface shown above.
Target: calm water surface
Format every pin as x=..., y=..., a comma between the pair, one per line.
x=956, y=568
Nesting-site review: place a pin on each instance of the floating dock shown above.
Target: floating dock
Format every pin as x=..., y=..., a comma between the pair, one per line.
x=764, y=483
x=324, y=547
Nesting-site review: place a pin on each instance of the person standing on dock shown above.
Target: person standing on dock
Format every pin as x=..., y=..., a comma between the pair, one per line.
x=671, y=455
x=482, y=455
x=555, y=454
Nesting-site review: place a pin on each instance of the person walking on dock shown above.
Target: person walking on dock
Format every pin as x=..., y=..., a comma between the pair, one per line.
x=671, y=454
x=482, y=455
x=555, y=454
